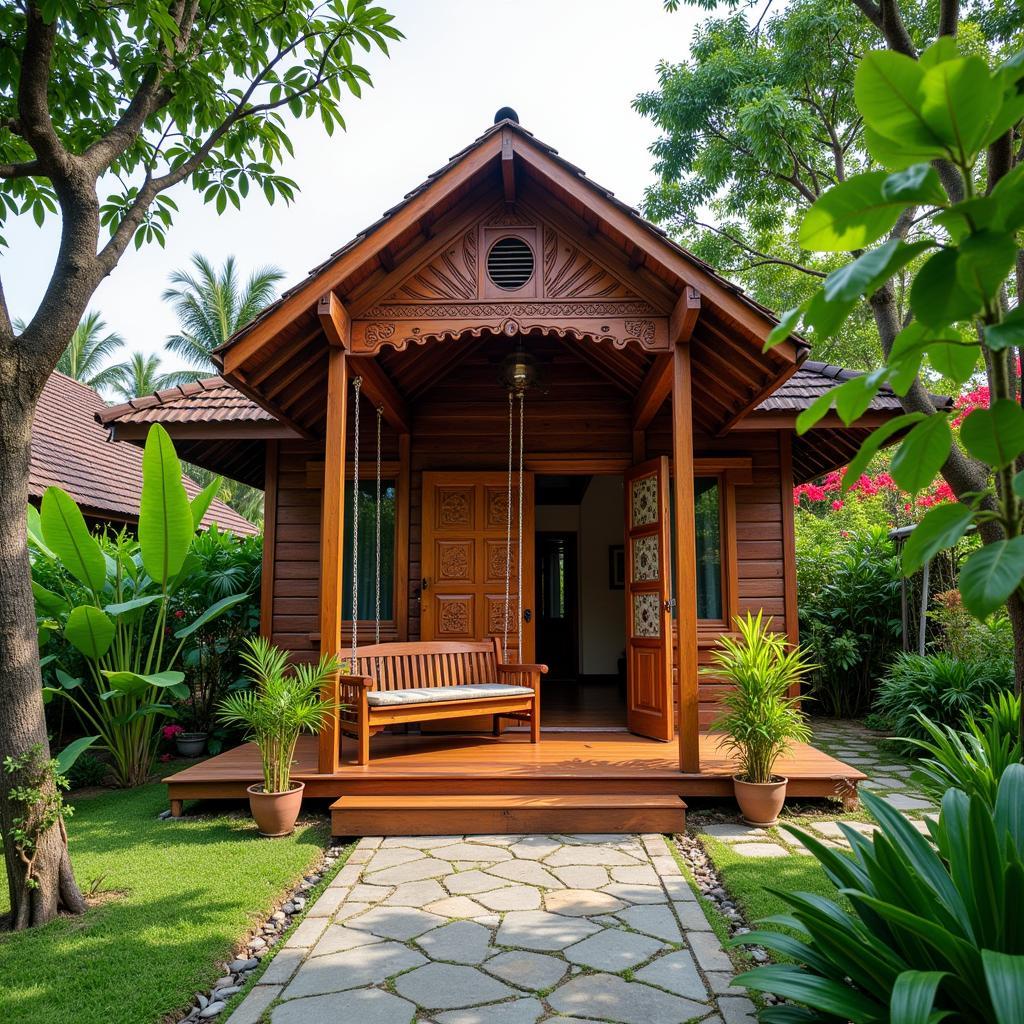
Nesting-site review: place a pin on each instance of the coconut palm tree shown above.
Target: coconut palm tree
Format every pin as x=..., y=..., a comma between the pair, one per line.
x=211, y=305
x=140, y=375
x=90, y=346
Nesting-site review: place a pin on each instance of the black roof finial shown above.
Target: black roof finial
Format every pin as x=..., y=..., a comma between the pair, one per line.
x=506, y=114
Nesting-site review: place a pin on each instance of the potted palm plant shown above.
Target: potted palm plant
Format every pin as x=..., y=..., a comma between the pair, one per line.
x=759, y=718
x=283, y=702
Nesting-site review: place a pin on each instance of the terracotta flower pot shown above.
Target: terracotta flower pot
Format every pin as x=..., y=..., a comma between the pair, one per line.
x=275, y=813
x=190, y=744
x=760, y=802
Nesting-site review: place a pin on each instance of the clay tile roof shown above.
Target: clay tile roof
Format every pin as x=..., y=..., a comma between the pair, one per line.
x=814, y=378
x=212, y=400
x=70, y=449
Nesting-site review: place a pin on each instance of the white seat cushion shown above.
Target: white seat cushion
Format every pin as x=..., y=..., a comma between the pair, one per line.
x=432, y=694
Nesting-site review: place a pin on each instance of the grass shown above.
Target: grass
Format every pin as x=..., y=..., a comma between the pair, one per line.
x=189, y=890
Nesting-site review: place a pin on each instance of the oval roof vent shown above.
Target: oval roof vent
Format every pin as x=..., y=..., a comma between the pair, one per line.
x=510, y=263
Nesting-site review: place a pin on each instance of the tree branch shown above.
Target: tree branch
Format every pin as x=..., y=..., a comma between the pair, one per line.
x=762, y=257
x=22, y=170
x=6, y=327
x=949, y=16
x=33, y=101
x=885, y=16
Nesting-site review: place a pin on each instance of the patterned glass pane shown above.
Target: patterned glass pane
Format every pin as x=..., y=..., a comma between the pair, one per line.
x=644, y=501
x=647, y=614
x=645, y=558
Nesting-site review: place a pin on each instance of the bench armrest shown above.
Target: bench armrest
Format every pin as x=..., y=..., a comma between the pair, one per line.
x=524, y=675
x=364, y=681
x=524, y=667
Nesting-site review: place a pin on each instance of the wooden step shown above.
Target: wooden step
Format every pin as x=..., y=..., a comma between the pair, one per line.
x=509, y=813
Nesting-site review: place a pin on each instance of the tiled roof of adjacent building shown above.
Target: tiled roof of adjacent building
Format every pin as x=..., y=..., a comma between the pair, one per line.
x=71, y=450
x=212, y=400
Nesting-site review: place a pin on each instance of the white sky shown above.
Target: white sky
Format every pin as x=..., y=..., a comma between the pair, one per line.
x=569, y=67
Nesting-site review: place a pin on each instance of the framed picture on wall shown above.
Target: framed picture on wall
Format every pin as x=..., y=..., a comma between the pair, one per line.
x=616, y=567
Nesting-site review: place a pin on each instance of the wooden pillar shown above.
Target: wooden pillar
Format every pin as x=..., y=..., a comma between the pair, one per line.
x=269, y=541
x=332, y=527
x=686, y=560
x=402, y=537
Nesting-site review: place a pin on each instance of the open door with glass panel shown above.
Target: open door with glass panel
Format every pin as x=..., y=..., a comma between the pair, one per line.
x=648, y=603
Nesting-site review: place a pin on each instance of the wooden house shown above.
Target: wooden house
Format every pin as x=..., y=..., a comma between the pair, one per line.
x=657, y=444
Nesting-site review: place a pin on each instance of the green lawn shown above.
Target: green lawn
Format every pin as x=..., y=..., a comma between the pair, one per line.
x=192, y=890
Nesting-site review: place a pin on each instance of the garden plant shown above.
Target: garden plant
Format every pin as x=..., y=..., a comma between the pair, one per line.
x=119, y=618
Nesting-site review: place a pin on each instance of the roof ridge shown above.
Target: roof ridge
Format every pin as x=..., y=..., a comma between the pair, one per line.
x=161, y=397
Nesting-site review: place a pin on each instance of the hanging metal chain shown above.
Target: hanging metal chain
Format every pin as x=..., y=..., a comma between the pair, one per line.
x=508, y=532
x=357, y=384
x=519, y=602
x=376, y=599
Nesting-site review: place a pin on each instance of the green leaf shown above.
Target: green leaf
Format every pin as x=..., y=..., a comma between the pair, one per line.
x=953, y=358
x=871, y=270
x=922, y=453
x=850, y=215
x=1004, y=977
x=826, y=317
x=201, y=502
x=989, y=575
x=212, y=613
x=70, y=754
x=1018, y=484
x=89, y=630
x=869, y=448
x=898, y=155
x=1009, y=332
x=823, y=994
x=941, y=528
x=959, y=99
x=125, y=608
x=854, y=398
x=67, y=682
x=134, y=684
x=888, y=93
x=995, y=435
x=816, y=411
x=983, y=263
x=936, y=295
x=48, y=601
x=785, y=327
x=68, y=537
x=165, y=515
x=917, y=184
x=35, y=532
x=913, y=997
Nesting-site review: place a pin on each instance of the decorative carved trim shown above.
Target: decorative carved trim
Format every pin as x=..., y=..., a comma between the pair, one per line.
x=509, y=218
x=406, y=311
x=570, y=273
x=451, y=274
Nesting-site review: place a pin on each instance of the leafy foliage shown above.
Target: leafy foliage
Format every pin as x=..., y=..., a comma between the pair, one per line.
x=116, y=613
x=975, y=758
x=849, y=602
x=88, y=350
x=939, y=688
x=140, y=374
x=933, y=932
x=284, y=702
x=759, y=717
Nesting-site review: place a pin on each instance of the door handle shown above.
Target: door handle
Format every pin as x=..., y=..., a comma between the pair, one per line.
x=669, y=605
x=527, y=615
x=424, y=583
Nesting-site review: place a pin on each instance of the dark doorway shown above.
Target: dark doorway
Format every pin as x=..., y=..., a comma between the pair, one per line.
x=558, y=605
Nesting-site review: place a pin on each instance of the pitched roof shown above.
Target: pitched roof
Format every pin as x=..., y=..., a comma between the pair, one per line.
x=658, y=235
x=815, y=378
x=71, y=450
x=212, y=400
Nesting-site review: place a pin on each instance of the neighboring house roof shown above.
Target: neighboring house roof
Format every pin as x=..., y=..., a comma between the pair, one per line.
x=212, y=400
x=73, y=451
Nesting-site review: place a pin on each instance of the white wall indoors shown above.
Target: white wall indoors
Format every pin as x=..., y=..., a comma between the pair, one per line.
x=598, y=524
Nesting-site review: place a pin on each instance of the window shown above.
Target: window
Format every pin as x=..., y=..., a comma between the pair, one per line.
x=367, y=542
x=708, y=521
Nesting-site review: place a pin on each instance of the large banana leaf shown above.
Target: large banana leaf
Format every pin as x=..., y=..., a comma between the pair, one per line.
x=35, y=532
x=133, y=684
x=201, y=502
x=211, y=613
x=165, y=515
x=68, y=537
x=90, y=630
x=70, y=754
x=47, y=601
x=131, y=610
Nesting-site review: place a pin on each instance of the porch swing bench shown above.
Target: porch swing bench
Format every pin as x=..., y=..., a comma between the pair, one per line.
x=399, y=683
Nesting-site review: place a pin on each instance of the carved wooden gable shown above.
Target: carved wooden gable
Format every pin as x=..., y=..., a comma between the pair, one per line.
x=512, y=273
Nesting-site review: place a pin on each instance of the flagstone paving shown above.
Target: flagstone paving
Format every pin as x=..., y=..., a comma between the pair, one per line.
x=889, y=778
x=506, y=930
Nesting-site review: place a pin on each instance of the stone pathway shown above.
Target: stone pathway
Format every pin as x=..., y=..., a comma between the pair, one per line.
x=888, y=776
x=502, y=930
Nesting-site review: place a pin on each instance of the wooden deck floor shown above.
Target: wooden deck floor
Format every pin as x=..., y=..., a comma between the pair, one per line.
x=563, y=763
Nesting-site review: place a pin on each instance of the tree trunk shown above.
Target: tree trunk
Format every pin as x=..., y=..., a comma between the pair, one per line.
x=22, y=722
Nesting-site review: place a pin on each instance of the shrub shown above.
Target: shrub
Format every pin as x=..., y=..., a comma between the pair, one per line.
x=927, y=934
x=758, y=716
x=849, y=601
x=974, y=759
x=939, y=687
x=87, y=771
x=963, y=636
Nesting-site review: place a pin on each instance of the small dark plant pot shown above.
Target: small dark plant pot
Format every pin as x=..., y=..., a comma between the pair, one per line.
x=191, y=744
x=275, y=813
x=760, y=802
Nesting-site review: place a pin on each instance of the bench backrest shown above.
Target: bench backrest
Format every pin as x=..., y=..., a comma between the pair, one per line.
x=414, y=665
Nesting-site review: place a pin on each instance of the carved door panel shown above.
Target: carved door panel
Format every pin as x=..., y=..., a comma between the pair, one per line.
x=648, y=610
x=463, y=559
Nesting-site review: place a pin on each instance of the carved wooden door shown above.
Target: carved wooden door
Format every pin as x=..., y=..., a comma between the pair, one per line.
x=648, y=609
x=464, y=557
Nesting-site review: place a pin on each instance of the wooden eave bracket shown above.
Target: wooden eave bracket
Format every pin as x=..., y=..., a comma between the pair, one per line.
x=684, y=316
x=334, y=319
